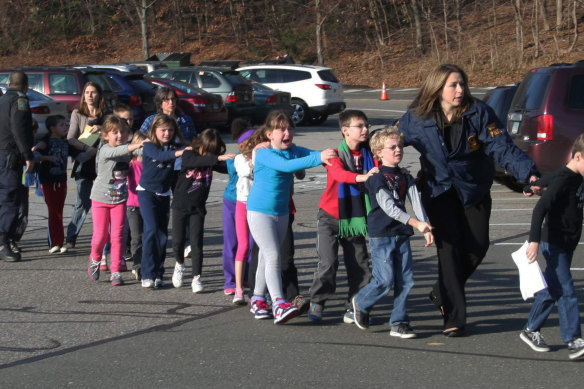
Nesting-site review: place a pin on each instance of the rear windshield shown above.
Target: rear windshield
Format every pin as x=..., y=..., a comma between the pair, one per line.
x=141, y=85
x=235, y=79
x=531, y=92
x=327, y=75
x=576, y=96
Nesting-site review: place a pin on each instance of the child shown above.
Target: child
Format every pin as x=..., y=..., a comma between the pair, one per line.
x=267, y=209
x=135, y=222
x=124, y=111
x=560, y=211
x=239, y=127
x=154, y=196
x=341, y=217
x=188, y=205
x=244, y=167
x=54, y=150
x=390, y=228
x=108, y=196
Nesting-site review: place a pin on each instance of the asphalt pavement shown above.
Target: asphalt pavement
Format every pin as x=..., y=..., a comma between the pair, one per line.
x=60, y=329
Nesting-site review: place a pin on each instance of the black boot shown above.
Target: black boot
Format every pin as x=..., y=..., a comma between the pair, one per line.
x=7, y=254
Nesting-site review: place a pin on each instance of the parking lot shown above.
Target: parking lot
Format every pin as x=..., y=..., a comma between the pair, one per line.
x=59, y=329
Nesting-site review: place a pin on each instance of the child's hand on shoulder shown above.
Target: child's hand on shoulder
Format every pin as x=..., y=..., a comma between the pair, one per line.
x=532, y=251
x=225, y=157
x=327, y=154
x=39, y=146
x=263, y=145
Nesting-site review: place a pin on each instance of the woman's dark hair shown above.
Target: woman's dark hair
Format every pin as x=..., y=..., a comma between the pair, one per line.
x=161, y=94
x=427, y=100
x=209, y=142
x=99, y=104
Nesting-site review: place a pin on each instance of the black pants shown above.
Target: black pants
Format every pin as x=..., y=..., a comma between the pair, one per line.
x=196, y=222
x=136, y=225
x=462, y=240
x=289, y=271
x=10, y=196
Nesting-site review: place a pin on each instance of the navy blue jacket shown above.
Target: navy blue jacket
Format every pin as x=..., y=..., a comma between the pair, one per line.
x=158, y=165
x=469, y=167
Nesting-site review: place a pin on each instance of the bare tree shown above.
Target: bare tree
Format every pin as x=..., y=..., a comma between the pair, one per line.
x=142, y=7
x=418, y=25
x=575, y=21
x=518, y=8
x=559, y=14
x=321, y=16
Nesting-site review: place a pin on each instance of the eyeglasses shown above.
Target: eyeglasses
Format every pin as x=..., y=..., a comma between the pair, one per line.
x=393, y=147
x=361, y=126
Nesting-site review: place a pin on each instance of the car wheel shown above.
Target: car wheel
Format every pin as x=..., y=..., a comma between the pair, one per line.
x=300, y=113
x=318, y=118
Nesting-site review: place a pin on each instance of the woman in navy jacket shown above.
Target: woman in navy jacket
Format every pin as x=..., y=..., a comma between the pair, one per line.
x=458, y=138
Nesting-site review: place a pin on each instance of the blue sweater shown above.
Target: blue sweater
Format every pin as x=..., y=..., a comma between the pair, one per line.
x=273, y=174
x=158, y=166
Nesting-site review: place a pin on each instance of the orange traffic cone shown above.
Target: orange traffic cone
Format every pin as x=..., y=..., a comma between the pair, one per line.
x=383, y=93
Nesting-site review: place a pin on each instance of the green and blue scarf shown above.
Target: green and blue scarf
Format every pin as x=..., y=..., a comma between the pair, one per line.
x=354, y=203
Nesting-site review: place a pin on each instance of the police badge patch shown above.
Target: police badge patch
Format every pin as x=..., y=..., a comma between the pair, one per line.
x=22, y=103
x=473, y=143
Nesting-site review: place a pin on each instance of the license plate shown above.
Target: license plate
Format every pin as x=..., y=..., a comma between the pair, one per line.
x=515, y=128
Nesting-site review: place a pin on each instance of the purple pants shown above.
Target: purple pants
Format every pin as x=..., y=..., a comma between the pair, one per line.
x=230, y=245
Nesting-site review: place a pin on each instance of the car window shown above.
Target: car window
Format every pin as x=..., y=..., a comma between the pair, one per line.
x=294, y=75
x=531, y=91
x=327, y=75
x=33, y=95
x=101, y=80
x=160, y=74
x=63, y=84
x=141, y=85
x=115, y=85
x=4, y=78
x=576, y=97
x=35, y=81
x=186, y=88
x=209, y=80
x=184, y=76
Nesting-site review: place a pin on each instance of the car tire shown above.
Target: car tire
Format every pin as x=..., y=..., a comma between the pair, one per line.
x=300, y=113
x=317, y=118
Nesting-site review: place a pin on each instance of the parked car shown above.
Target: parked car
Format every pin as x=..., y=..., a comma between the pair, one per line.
x=41, y=107
x=64, y=83
x=316, y=91
x=268, y=99
x=236, y=92
x=206, y=109
x=119, y=67
x=134, y=91
x=547, y=113
x=146, y=66
x=499, y=99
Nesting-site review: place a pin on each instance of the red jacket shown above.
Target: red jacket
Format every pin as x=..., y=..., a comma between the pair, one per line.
x=329, y=201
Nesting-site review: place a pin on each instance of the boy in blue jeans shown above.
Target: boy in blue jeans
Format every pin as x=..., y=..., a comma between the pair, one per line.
x=560, y=211
x=390, y=228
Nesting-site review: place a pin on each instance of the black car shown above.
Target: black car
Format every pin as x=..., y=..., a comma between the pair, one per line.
x=135, y=92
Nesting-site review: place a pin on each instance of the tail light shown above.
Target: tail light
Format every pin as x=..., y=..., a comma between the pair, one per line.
x=232, y=98
x=323, y=86
x=135, y=101
x=545, y=127
x=273, y=99
x=41, y=110
x=198, y=102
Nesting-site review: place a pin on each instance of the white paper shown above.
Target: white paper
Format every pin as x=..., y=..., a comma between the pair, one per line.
x=531, y=278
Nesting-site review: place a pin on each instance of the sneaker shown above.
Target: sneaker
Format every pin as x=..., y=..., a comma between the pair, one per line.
x=239, y=298
x=229, y=291
x=534, y=340
x=187, y=252
x=361, y=318
x=197, y=285
x=284, y=312
x=7, y=254
x=315, y=312
x=158, y=283
x=63, y=250
x=349, y=317
x=260, y=309
x=54, y=249
x=123, y=266
x=137, y=273
x=116, y=279
x=301, y=304
x=177, y=276
x=70, y=245
x=403, y=330
x=14, y=247
x=103, y=264
x=93, y=269
x=147, y=284
x=576, y=348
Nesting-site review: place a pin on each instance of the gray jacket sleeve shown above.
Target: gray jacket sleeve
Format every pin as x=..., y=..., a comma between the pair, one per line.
x=386, y=203
x=414, y=197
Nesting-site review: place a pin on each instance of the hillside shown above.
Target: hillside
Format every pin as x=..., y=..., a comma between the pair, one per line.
x=484, y=42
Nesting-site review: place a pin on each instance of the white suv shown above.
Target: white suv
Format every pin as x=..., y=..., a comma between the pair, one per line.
x=316, y=92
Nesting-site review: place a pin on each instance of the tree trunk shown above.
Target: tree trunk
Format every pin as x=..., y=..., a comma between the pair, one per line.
x=459, y=25
x=543, y=14
x=446, y=47
x=575, y=21
x=418, y=26
x=559, y=14
x=319, y=56
x=518, y=28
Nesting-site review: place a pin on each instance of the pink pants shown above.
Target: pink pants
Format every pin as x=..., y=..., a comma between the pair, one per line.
x=241, y=231
x=112, y=217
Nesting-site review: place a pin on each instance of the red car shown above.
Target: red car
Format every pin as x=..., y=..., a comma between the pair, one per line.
x=206, y=109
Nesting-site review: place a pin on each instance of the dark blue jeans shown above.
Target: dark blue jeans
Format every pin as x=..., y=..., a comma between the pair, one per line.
x=80, y=210
x=155, y=211
x=561, y=290
x=391, y=258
